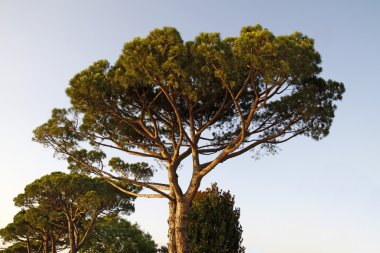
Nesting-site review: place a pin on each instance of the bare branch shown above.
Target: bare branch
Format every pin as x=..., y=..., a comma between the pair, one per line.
x=133, y=193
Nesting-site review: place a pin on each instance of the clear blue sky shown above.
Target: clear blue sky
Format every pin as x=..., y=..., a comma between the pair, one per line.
x=314, y=197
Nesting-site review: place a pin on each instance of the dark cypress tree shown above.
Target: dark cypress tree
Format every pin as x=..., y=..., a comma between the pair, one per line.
x=214, y=225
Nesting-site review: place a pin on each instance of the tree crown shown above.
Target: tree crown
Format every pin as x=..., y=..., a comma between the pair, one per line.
x=211, y=98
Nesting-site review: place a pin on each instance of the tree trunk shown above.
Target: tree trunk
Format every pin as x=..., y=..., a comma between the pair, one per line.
x=181, y=222
x=72, y=241
x=73, y=248
x=28, y=245
x=179, y=210
x=171, y=221
x=53, y=247
x=46, y=246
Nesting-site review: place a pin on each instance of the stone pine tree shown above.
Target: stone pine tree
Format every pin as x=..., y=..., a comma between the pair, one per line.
x=214, y=225
x=17, y=247
x=77, y=199
x=30, y=231
x=208, y=100
x=19, y=233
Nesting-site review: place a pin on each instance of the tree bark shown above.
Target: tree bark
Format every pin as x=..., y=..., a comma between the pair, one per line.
x=172, y=239
x=28, y=245
x=53, y=247
x=46, y=246
x=73, y=246
x=181, y=222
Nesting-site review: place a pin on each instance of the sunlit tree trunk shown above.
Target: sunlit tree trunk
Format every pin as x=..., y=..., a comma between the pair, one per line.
x=53, y=247
x=72, y=241
x=181, y=222
x=179, y=209
x=45, y=248
x=28, y=245
x=171, y=221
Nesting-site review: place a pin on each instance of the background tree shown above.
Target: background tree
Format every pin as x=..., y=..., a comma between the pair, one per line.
x=19, y=233
x=209, y=100
x=79, y=199
x=214, y=225
x=48, y=228
x=163, y=249
x=19, y=247
x=32, y=229
x=113, y=234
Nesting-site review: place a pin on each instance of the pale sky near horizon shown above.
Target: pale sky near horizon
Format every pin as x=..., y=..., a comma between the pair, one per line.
x=312, y=197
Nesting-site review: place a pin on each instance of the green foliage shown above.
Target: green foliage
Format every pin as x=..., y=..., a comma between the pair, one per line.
x=163, y=249
x=71, y=202
x=58, y=192
x=18, y=230
x=34, y=227
x=18, y=247
x=214, y=225
x=21, y=247
x=162, y=86
x=117, y=235
x=137, y=171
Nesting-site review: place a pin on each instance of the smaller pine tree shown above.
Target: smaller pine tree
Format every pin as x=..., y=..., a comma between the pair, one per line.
x=214, y=225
